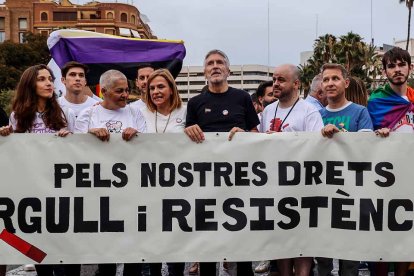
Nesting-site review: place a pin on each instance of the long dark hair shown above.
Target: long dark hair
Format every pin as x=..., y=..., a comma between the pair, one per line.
x=25, y=103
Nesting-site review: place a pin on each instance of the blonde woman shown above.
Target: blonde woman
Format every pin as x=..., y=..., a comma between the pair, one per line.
x=163, y=113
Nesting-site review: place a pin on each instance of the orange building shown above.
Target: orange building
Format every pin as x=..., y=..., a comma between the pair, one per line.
x=45, y=16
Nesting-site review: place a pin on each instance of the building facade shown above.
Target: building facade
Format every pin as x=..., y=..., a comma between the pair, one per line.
x=191, y=79
x=44, y=16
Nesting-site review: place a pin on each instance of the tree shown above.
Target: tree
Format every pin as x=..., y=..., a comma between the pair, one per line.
x=409, y=4
x=16, y=57
x=359, y=58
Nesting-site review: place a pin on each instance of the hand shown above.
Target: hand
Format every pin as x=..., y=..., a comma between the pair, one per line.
x=6, y=130
x=195, y=133
x=233, y=131
x=383, y=132
x=63, y=132
x=101, y=133
x=329, y=130
x=129, y=133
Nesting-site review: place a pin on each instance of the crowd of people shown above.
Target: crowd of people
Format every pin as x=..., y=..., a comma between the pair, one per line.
x=336, y=103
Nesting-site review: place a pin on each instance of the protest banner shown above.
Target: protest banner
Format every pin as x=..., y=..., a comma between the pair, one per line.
x=164, y=198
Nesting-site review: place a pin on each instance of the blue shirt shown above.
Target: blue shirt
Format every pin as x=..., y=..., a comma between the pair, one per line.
x=352, y=117
x=314, y=101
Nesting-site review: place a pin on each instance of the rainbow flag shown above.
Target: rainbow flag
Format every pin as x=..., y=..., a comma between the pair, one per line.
x=387, y=107
x=102, y=52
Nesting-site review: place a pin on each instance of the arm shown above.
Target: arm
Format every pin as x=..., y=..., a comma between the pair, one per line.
x=7, y=129
x=139, y=120
x=365, y=122
x=313, y=121
x=329, y=130
x=128, y=133
x=70, y=120
x=192, y=129
x=83, y=123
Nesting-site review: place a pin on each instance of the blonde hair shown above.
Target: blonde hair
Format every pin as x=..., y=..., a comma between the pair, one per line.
x=175, y=99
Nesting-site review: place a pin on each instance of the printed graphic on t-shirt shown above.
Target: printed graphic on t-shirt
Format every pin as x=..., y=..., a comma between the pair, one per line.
x=339, y=121
x=41, y=128
x=114, y=126
x=275, y=125
x=406, y=124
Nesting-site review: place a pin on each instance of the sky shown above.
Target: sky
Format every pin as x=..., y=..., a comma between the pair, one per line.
x=243, y=30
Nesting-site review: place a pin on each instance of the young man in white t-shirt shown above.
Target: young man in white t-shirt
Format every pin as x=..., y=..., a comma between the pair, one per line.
x=74, y=79
x=113, y=115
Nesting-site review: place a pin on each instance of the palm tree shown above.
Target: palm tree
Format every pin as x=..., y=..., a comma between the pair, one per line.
x=351, y=51
x=360, y=59
x=409, y=4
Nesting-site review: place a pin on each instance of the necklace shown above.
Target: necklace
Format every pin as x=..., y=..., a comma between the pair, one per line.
x=156, y=123
x=279, y=128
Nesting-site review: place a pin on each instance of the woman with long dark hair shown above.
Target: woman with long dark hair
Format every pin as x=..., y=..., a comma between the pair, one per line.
x=35, y=108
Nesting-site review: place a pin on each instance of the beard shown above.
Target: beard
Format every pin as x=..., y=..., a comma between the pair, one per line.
x=398, y=82
x=266, y=103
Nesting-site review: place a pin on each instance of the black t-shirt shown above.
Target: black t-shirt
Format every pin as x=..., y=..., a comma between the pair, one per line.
x=222, y=111
x=4, y=120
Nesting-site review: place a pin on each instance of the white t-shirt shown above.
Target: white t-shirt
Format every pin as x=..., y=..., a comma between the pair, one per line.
x=174, y=122
x=406, y=124
x=39, y=126
x=77, y=108
x=115, y=121
x=96, y=98
x=138, y=104
x=303, y=117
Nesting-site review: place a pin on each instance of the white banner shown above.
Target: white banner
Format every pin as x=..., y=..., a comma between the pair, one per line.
x=164, y=198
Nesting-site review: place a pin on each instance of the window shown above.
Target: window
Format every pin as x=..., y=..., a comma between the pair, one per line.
x=21, y=37
x=197, y=82
x=255, y=73
x=22, y=24
x=110, y=31
x=43, y=16
x=2, y=36
x=124, y=17
x=133, y=19
x=2, y=23
x=44, y=32
x=64, y=16
x=110, y=15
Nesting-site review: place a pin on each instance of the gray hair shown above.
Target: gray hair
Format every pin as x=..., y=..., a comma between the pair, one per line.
x=219, y=52
x=108, y=78
x=316, y=82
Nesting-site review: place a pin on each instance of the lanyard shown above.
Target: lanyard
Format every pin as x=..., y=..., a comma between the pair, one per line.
x=274, y=117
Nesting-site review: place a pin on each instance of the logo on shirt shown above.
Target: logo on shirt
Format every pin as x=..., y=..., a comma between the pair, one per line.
x=275, y=125
x=41, y=128
x=114, y=126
